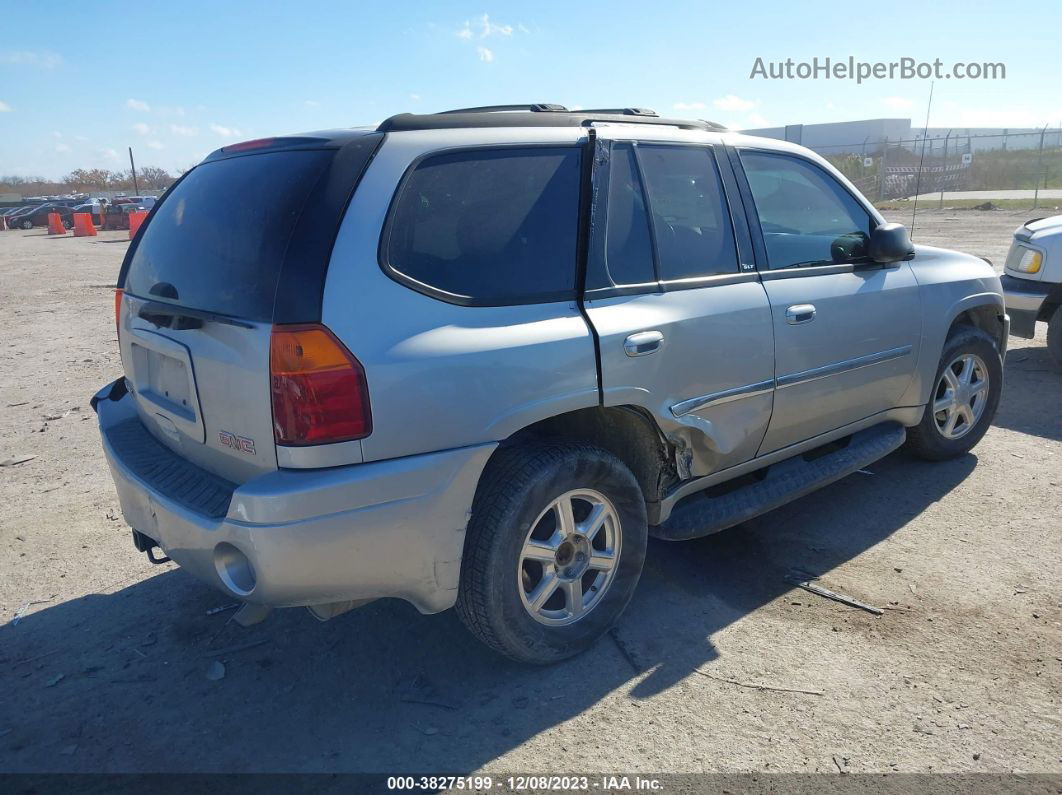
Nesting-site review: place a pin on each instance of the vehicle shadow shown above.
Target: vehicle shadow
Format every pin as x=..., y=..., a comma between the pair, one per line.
x=119, y=681
x=1032, y=394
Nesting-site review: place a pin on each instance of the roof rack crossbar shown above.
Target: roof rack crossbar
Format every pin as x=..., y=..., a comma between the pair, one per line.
x=537, y=107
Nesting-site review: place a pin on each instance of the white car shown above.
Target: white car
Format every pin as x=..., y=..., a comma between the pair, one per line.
x=1032, y=283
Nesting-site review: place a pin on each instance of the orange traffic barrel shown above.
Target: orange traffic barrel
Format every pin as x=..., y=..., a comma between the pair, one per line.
x=136, y=218
x=55, y=224
x=83, y=225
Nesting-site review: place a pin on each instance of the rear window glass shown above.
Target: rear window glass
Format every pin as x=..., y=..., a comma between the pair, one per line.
x=218, y=241
x=492, y=226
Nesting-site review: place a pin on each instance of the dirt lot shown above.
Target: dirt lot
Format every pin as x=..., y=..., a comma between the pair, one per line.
x=103, y=657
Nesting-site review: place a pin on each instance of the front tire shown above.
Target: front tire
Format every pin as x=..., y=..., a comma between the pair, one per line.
x=27, y=224
x=553, y=552
x=1054, y=336
x=966, y=392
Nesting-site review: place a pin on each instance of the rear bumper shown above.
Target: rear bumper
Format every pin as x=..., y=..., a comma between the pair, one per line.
x=1024, y=299
x=305, y=537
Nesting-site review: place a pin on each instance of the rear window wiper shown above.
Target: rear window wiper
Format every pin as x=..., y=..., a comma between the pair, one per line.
x=155, y=311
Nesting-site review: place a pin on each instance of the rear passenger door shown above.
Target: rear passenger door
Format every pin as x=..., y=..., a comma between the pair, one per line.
x=683, y=323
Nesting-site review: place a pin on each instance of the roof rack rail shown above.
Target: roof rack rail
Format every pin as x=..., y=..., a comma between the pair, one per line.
x=536, y=107
x=622, y=111
x=542, y=115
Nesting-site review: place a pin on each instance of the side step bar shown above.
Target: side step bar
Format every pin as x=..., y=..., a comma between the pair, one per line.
x=701, y=515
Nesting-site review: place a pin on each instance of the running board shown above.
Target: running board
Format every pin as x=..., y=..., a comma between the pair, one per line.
x=701, y=515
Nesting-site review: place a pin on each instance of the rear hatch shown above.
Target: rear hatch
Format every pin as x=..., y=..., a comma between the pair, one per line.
x=240, y=242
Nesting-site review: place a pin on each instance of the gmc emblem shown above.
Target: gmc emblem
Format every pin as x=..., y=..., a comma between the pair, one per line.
x=240, y=444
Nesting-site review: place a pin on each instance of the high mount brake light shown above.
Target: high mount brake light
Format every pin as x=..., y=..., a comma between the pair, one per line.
x=257, y=143
x=318, y=388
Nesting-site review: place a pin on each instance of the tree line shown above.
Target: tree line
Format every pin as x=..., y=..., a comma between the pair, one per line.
x=87, y=180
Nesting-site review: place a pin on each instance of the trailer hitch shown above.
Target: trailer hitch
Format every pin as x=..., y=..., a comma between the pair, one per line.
x=148, y=545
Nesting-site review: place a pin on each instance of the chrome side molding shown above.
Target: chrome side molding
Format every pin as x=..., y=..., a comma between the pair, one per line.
x=781, y=382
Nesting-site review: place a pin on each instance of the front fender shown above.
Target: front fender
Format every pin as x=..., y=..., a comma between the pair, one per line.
x=951, y=284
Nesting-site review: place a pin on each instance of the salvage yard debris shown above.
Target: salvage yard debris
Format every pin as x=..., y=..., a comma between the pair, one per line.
x=758, y=686
x=809, y=585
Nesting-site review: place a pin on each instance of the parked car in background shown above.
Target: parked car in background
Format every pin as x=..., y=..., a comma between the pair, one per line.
x=96, y=210
x=15, y=218
x=475, y=358
x=38, y=216
x=1032, y=281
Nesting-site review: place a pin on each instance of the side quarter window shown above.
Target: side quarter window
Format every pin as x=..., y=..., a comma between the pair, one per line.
x=488, y=226
x=806, y=216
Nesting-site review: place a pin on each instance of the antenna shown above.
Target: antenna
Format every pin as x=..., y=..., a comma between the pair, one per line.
x=921, y=159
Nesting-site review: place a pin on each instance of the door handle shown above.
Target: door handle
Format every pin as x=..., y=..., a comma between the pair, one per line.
x=799, y=313
x=643, y=343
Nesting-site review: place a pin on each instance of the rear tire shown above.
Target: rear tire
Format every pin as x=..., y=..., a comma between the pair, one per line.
x=965, y=396
x=1054, y=336
x=541, y=582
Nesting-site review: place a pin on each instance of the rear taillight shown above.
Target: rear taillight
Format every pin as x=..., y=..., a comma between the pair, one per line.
x=118, y=293
x=318, y=388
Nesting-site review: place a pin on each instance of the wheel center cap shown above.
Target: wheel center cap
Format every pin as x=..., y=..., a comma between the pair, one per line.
x=573, y=557
x=565, y=553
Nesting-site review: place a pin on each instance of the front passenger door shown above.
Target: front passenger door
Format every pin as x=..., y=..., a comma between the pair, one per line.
x=846, y=329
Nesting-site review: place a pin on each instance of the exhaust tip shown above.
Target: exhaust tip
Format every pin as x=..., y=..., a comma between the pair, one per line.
x=234, y=569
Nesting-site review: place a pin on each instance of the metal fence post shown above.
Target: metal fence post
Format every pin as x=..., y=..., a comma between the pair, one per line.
x=881, y=169
x=944, y=171
x=1039, y=169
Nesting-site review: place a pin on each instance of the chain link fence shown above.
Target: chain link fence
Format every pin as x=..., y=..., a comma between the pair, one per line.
x=939, y=164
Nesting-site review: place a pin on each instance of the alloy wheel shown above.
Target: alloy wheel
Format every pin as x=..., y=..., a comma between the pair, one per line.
x=961, y=396
x=569, y=557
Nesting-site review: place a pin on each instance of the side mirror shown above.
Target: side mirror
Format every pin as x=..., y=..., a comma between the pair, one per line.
x=889, y=243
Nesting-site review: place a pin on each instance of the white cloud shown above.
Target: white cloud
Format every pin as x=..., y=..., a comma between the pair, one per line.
x=311, y=103
x=484, y=54
x=488, y=28
x=56, y=134
x=62, y=148
x=44, y=59
x=690, y=106
x=155, y=145
x=110, y=154
x=180, y=129
x=224, y=132
x=415, y=97
x=483, y=28
x=80, y=138
x=897, y=103
x=141, y=129
x=757, y=120
x=137, y=104
x=170, y=110
x=4, y=107
x=733, y=103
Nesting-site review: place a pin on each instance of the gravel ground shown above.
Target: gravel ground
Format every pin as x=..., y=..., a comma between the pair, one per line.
x=104, y=659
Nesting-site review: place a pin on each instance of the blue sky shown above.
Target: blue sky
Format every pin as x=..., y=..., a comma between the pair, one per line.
x=81, y=81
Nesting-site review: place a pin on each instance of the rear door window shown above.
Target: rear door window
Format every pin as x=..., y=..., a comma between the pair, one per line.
x=488, y=227
x=622, y=246
x=691, y=220
x=218, y=241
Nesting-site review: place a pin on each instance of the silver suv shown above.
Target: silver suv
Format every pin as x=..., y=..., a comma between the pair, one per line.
x=474, y=358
